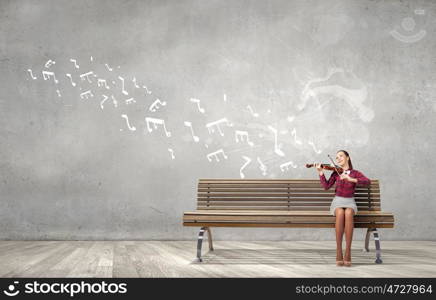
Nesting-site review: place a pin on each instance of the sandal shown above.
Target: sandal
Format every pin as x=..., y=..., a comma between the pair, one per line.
x=347, y=263
x=339, y=263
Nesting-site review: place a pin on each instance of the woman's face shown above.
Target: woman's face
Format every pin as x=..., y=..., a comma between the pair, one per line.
x=341, y=159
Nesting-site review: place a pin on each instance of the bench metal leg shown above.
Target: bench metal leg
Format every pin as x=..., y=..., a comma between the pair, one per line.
x=200, y=241
x=377, y=244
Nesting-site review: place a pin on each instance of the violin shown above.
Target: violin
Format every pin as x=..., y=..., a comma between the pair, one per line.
x=336, y=168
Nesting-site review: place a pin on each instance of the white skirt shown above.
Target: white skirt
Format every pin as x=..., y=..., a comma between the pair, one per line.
x=339, y=201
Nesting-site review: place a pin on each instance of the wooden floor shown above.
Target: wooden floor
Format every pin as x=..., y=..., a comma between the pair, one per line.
x=230, y=259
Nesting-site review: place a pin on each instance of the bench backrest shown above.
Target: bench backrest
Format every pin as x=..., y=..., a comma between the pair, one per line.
x=277, y=194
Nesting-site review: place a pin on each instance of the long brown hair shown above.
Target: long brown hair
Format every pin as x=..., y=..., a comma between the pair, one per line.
x=348, y=155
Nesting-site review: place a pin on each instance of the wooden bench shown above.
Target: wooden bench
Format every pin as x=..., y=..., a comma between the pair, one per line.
x=280, y=203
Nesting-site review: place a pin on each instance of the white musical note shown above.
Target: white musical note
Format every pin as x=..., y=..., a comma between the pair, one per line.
x=103, y=101
x=86, y=94
x=286, y=165
x=122, y=86
x=314, y=148
x=172, y=153
x=290, y=118
x=225, y=98
x=49, y=63
x=131, y=128
x=155, y=105
x=294, y=134
x=102, y=82
x=91, y=59
x=75, y=63
x=71, y=79
x=247, y=161
x=59, y=93
x=210, y=126
x=134, y=82
x=156, y=122
x=130, y=100
x=189, y=124
x=252, y=112
x=109, y=68
x=241, y=134
x=215, y=154
x=114, y=101
x=262, y=167
x=146, y=90
x=31, y=74
x=86, y=76
x=46, y=75
x=198, y=104
x=276, y=147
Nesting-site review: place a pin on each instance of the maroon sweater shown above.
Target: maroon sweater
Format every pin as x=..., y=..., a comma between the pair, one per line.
x=344, y=188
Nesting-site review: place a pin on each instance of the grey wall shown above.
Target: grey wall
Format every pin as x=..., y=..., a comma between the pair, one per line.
x=359, y=75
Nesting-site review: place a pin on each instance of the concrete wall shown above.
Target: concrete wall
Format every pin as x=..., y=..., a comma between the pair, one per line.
x=327, y=75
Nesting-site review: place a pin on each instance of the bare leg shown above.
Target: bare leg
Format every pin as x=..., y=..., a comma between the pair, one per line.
x=339, y=227
x=349, y=227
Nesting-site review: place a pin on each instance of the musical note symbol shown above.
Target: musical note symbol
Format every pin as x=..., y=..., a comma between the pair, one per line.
x=252, y=112
x=217, y=124
x=91, y=59
x=225, y=98
x=31, y=74
x=102, y=82
x=109, y=68
x=276, y=148
x=86, y=94
x=59, y=93
x=131, y=128
x=285, y=166
x=75, y=63
x=130, y=100
x=122, y=86
x=215, y=154
x=46, y=75
x=156, y=122
x=134, y=82
x=146, y=90
x=247, y=161
x=294, y=134
x=114, y=101
x=290, y=118
x=71, y=79
x=198, y=104
x=49, y=63
x=103, y=101
x=262, y=167
x=172, y=153
x=314, y=148
x=86, y=76
x=189, y=124
x=155, y=105
x=241, y=134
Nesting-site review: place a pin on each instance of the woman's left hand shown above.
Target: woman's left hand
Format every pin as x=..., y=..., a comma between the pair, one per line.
x=345, y=177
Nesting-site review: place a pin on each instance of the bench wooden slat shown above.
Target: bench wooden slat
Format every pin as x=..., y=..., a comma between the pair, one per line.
x=287, y=225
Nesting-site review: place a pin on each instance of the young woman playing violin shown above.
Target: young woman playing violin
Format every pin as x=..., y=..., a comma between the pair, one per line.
x=343, y=205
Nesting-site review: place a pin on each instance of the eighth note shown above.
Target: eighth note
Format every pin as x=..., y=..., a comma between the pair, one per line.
x=75, y=63
x=172, y=153
x=71, y=79
x=131, y=128
x=31, y=74
x=276, y=147
x=122, y=86
x=155, y=105
x=314, y=148
x=198, y=104
x=49, y=63
x=247, y=162
x=109, y=68
x=189, y=124
x=252, y=112
x=103, y=101
x=46, y=75
x=134, y=82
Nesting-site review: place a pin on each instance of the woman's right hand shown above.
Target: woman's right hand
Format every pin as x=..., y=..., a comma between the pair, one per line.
x=319, y=168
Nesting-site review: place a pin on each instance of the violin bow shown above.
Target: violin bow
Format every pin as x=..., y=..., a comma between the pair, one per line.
x=334, y=165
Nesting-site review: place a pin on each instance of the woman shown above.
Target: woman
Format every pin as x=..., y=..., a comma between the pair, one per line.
x=343, y=205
